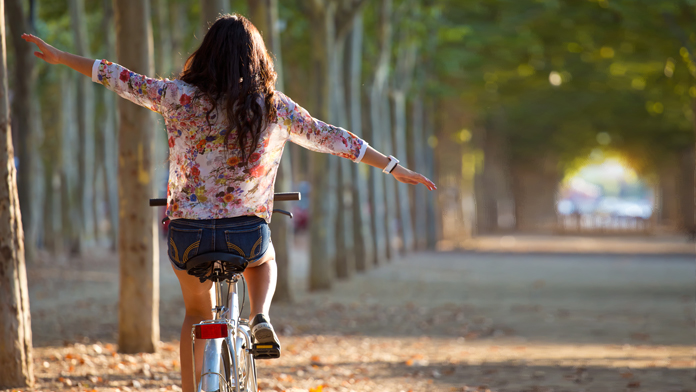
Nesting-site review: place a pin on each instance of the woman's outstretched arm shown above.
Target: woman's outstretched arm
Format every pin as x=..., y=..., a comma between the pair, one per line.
x=139, y=89
x=52, y=55
x=310, y=133
x=376, y=159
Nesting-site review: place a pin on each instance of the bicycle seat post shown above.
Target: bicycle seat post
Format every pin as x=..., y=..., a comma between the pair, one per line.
x=219, y=308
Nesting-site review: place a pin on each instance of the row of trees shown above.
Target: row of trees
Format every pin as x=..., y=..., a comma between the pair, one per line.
x=544, y=79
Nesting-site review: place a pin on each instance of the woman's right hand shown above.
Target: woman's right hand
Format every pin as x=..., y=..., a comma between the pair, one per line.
x=47, y=52
x=407, y=176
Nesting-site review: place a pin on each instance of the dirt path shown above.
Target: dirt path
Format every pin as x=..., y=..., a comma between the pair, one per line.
x=429, y=322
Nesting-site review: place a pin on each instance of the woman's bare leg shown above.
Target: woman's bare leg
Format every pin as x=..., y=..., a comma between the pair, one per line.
x=261, y=281
x=198, y=301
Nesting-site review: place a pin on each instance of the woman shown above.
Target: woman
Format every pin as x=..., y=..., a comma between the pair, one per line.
x=227, y=127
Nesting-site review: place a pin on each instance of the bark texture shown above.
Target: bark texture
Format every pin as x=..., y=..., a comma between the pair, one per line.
x=362, y=228
x=68, y=174
x=401, y=84
x=109, y=136
x=138, y=254
x=345, y=254
x=419, y=145
x=323, y=212
x=22, y=119
x=85, y=127
x=379, y=193
x=323, y=206
x=15, y=326
x=433, y=234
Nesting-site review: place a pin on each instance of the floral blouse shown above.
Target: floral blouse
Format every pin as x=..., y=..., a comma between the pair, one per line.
x=207, y=180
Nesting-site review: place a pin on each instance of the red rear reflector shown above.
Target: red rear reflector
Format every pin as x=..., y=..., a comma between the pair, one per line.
x=211, y=331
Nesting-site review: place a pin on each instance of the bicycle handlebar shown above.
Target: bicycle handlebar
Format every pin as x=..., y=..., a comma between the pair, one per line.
x=285, y=196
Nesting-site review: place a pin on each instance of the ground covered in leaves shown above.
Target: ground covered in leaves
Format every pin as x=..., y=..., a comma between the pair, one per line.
x=428, y=322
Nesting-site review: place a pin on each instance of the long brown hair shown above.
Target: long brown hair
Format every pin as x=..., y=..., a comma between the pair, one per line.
x=233, y=63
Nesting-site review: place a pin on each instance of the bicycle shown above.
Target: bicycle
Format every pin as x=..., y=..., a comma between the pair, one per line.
x=226, y=366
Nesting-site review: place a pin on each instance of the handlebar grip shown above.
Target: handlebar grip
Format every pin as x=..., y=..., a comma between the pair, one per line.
x=158, y=202
x=286, y=196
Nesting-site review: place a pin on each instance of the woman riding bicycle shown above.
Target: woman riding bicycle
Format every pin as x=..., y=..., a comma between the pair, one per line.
x=227, y=127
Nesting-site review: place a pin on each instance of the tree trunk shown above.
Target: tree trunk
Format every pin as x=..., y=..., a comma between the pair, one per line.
x=36, y=203
x=24, y=80
x=420, y=146
x=385, y=124
x=401, y=84
x=283, y=235
x=362, y=228
x=109, y=137
x=138, y=253
x=323, y=207
x=85, y=126
x=17, y=369
x=69, y=173
x=323, y=169
x=404, y=204
x=687, y=190
x=670, y=213
x=264, y=15
x=210, y=10
x=431, y=200
x=492, y=184
x=535, y=185
x=345, y=255
x=382, y=195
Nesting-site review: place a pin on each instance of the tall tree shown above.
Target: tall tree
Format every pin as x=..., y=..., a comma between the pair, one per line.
x=85, y=126
x=345, y=243
x=71, y=222
x=419, y=145
x=138, y=253
x=362, y=225
x=401, y=84
x=17, y=369
x=23, y=81
x=109, y=130
x=382, y=192
x=264, y=15
x=323, y=208
x=323, y=15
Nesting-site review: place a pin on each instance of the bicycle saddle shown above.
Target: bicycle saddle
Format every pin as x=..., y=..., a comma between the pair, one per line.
x=226, y=266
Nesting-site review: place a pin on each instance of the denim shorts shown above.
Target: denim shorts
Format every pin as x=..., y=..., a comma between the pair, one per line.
x=246, y=236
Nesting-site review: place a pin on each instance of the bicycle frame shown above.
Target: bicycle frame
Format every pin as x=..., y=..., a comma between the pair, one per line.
x=237, y=329
x=211, y=379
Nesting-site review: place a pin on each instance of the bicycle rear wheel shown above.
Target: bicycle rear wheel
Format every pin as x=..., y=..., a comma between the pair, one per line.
x=246, y=366
x=217, y=369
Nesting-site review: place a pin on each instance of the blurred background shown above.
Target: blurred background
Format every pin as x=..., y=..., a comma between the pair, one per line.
x=531, y=116
x=549, y=126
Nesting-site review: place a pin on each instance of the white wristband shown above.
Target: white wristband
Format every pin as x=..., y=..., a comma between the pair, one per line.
x=392, y=164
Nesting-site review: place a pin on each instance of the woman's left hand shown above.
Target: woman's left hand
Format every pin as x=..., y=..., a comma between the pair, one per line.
x=406, y=176
x=47, y=52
